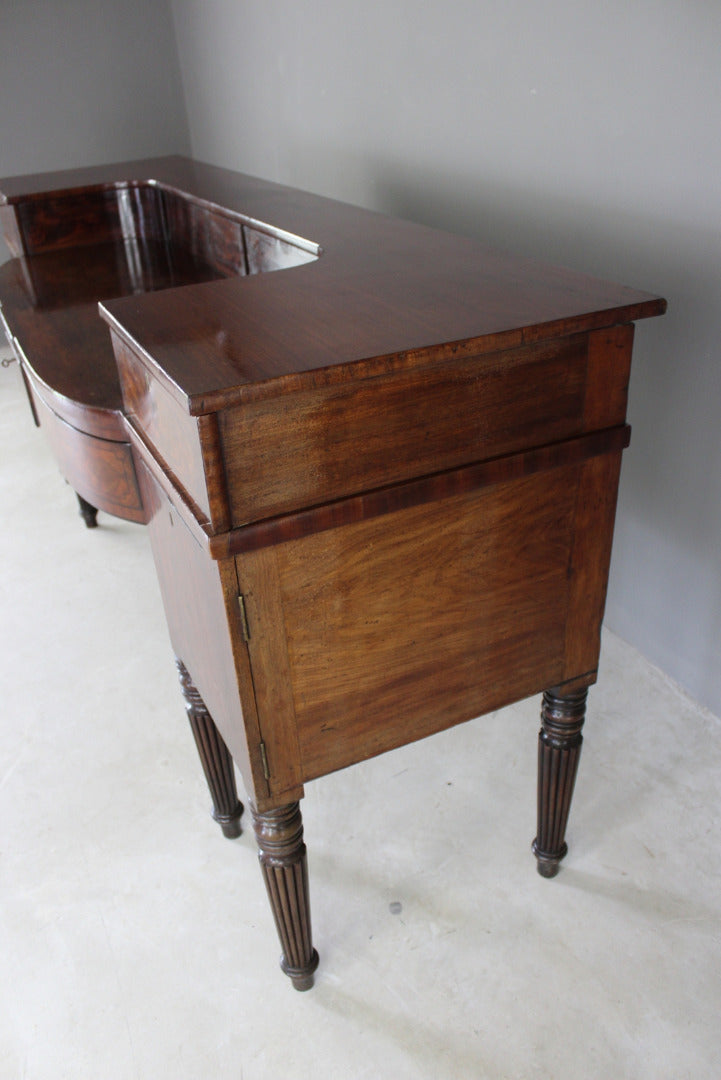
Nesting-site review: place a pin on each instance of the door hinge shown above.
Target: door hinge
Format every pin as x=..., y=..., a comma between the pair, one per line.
x=264, y=759
x=243, y=619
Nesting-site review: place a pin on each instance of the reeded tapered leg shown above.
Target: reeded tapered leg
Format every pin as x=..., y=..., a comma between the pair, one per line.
x=87, y=512
x=285, y=870
x=214, y=756
x=559, y=748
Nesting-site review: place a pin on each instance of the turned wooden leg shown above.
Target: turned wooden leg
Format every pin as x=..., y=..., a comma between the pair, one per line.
x=285, y=870
x=88, y=512
x=559, y=748
x=214, y=756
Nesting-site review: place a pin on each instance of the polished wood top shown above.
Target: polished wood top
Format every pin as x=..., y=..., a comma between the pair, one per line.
x=381, y=292
x=50, y=305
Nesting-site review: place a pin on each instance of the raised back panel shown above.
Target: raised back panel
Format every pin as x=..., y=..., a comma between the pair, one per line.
x=207, y=234
x=75, y=219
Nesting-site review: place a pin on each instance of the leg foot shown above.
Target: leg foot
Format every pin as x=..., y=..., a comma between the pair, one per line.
x=559, y=749
x=214, y=756
x=285, y=871
x=87, y=512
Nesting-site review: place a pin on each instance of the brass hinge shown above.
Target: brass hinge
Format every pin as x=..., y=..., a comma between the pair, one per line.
x=243, y=619
x=264, y=759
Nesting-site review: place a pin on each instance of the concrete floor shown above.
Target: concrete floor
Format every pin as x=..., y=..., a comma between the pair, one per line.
x=135, y=941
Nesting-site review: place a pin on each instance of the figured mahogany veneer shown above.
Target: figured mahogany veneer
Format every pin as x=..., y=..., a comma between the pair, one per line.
x=103, y=235
x=380, y=484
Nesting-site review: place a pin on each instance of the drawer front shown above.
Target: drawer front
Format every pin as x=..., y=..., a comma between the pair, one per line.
x=304, y=449
x=185, y=445
x=100, y=470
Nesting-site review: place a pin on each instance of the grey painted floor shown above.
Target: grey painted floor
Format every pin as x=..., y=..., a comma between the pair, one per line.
x=135, y=941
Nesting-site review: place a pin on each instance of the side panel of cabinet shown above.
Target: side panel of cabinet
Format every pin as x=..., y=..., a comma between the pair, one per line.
x=200, y=597
x=100, y=470
x=402, y=625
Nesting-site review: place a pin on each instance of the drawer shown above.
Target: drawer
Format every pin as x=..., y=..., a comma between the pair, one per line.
x=184, y=445
x=100, y=470
x=307, y=448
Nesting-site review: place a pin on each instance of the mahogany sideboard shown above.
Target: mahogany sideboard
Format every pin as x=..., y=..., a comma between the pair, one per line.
x=380, y=480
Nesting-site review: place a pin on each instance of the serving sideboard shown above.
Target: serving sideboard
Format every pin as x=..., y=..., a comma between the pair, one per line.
x=378, y=462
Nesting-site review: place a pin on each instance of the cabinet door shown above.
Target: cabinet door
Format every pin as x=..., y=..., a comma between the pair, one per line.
x=389, y=629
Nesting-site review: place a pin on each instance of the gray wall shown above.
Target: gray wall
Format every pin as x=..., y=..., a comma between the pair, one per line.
x=84, y=82
x=584, y=132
